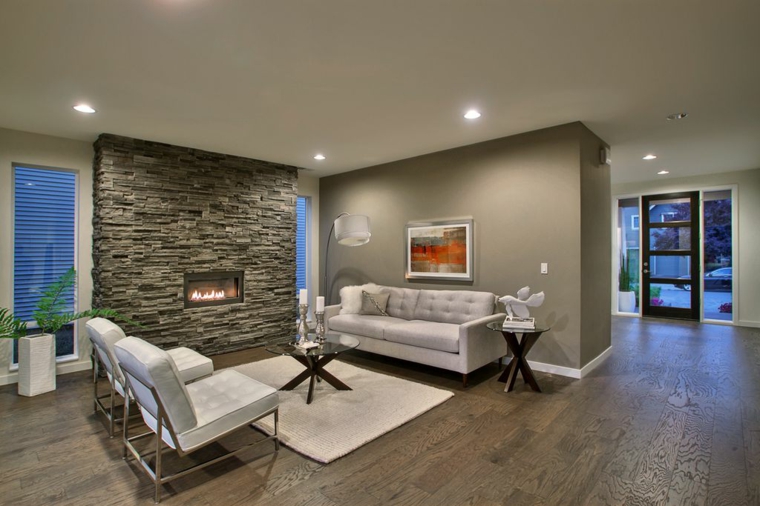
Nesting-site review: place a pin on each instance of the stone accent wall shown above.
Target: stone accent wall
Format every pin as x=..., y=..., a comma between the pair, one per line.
x=163, y=210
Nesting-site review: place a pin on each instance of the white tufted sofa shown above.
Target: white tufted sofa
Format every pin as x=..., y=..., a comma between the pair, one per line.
x=441, y=328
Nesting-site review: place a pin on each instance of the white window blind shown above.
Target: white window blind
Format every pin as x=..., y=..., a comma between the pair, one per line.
x=44, y=231
x=301, y=242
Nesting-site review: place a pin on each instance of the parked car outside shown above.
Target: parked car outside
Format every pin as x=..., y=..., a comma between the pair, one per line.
x=719, y=279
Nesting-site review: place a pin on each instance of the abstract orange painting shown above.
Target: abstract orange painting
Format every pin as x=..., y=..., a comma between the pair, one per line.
x=439, y=250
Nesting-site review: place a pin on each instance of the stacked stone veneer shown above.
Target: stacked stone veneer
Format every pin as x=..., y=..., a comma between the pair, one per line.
x=162, y=210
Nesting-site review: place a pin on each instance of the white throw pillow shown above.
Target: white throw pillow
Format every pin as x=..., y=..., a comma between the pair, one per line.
x=351, y=297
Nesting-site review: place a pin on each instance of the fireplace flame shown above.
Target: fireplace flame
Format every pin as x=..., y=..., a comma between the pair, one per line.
x=210, y=295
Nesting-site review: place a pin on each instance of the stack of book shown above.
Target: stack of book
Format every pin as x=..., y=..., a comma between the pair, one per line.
x=515, y=322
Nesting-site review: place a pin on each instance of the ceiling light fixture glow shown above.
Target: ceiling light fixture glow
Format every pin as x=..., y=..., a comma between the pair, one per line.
x=650, y=157
x=319, y=156
x=472, y=114
x=663, y=172
x=678, y=115
x=84, y=108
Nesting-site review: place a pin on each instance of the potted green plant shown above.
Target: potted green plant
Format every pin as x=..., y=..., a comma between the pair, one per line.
x=36, y=354
x=626, y=296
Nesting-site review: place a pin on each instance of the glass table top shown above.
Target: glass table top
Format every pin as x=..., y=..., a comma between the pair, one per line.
x=499, y=326
x=334, y=343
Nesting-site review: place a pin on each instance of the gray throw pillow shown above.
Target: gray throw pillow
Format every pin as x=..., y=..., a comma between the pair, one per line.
x=374, y=303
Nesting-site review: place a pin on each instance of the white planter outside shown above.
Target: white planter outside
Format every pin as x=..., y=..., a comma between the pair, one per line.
x=36, y=365
x=627, y=302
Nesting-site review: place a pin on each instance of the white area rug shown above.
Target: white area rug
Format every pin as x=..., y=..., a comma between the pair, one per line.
x=340, y=421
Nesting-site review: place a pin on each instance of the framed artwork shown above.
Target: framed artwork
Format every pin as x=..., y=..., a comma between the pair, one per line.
x=439, y=250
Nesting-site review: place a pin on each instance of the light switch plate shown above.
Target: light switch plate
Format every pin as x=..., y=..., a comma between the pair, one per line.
x=544, y=268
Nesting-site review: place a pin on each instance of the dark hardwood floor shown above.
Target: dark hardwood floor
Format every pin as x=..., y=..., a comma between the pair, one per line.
x=671, y=417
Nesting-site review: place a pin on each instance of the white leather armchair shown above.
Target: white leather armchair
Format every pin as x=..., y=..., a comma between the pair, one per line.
x=188, y=417
x=104, y=334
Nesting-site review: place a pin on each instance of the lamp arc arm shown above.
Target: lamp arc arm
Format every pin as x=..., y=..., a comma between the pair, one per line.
x=327, y=253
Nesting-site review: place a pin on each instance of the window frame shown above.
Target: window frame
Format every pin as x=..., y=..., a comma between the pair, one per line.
x=72, y=357
x=307, y=242
x=635, y=222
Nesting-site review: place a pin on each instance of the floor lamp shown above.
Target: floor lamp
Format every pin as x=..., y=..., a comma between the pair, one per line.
x=350, y=230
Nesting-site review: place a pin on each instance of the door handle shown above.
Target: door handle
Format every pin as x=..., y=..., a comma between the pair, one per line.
x=645, y=271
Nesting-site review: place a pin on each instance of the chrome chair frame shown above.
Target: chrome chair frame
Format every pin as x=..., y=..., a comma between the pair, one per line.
x=163, y=423
x=98, y=399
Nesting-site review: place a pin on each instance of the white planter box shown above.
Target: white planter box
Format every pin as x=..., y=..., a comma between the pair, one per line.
x=36, y=365
x=626, y=302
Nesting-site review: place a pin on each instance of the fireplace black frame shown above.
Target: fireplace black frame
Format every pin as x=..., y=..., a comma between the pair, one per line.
x=200, y=276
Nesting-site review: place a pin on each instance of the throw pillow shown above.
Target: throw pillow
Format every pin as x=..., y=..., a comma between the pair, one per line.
x=374, y=303
x=351, y=297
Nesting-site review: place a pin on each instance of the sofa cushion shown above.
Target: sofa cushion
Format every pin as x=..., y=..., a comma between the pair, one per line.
x=401, y=302
x=374, y=303
x=453, y=306
x=424, y=334
x=363, y=325
x=351, y=297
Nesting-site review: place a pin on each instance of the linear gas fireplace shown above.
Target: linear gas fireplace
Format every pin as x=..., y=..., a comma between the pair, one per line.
x=213, y=288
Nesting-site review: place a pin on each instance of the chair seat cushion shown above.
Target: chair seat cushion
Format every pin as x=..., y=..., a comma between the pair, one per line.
x=363, y=325
x=223, y=402
x=191, y=364
x=424, y=334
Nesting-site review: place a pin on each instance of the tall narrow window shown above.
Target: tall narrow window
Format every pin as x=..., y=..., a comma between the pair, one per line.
x=302, y=241
x=44, y=235
x=628, y=253
x=718, y=276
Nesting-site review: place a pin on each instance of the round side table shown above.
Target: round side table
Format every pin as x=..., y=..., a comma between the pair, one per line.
x=519, y=350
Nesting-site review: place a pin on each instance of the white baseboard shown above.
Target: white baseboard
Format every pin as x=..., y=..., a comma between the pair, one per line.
x=594, y=363
x=569, y=371
x=555, y=369
x=746, y=323
x=64, y=368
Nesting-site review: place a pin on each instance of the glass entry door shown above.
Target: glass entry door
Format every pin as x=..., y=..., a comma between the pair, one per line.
x=670, y=255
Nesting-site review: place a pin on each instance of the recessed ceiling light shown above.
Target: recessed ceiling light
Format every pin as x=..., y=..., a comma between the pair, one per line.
x=650, y=157
x=319, y=156
x=472, y=114
x=678, y=115
x=663, y=172
x=84, y=108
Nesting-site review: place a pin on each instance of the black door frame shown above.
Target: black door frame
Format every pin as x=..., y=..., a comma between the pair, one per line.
x=692, y=313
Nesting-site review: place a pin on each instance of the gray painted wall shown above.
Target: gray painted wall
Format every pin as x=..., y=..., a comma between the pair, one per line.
x=524, y=194
x=596, y=247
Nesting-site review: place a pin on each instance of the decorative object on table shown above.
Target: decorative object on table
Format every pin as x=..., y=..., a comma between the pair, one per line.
x=36, y=354
x=350, y=230
x=319, y=315
x=440, y=250
x=518, y=314
x=303, y=308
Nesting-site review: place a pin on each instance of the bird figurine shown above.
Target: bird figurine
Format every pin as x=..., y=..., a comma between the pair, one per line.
x=519, y=305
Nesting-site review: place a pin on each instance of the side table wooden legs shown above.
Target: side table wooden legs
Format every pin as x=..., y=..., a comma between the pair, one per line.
x=519, y=351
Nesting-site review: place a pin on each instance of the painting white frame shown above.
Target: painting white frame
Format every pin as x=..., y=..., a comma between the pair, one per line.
x=414, y=229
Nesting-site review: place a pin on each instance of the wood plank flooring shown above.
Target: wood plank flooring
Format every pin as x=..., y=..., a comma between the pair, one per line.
x=672, y=417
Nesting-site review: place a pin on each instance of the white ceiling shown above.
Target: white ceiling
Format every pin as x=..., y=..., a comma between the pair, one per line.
x=367, y=82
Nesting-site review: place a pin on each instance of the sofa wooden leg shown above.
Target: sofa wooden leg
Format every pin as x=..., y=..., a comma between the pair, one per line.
x=464, y=380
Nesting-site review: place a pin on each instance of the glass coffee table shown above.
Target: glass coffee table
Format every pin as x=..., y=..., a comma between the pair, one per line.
x=315, y=360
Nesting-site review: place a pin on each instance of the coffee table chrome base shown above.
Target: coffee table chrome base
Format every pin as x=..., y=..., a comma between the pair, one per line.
x=315, y=371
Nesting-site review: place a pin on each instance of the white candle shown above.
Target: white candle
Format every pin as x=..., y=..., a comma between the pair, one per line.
x=320, y=304
x=303, y=297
